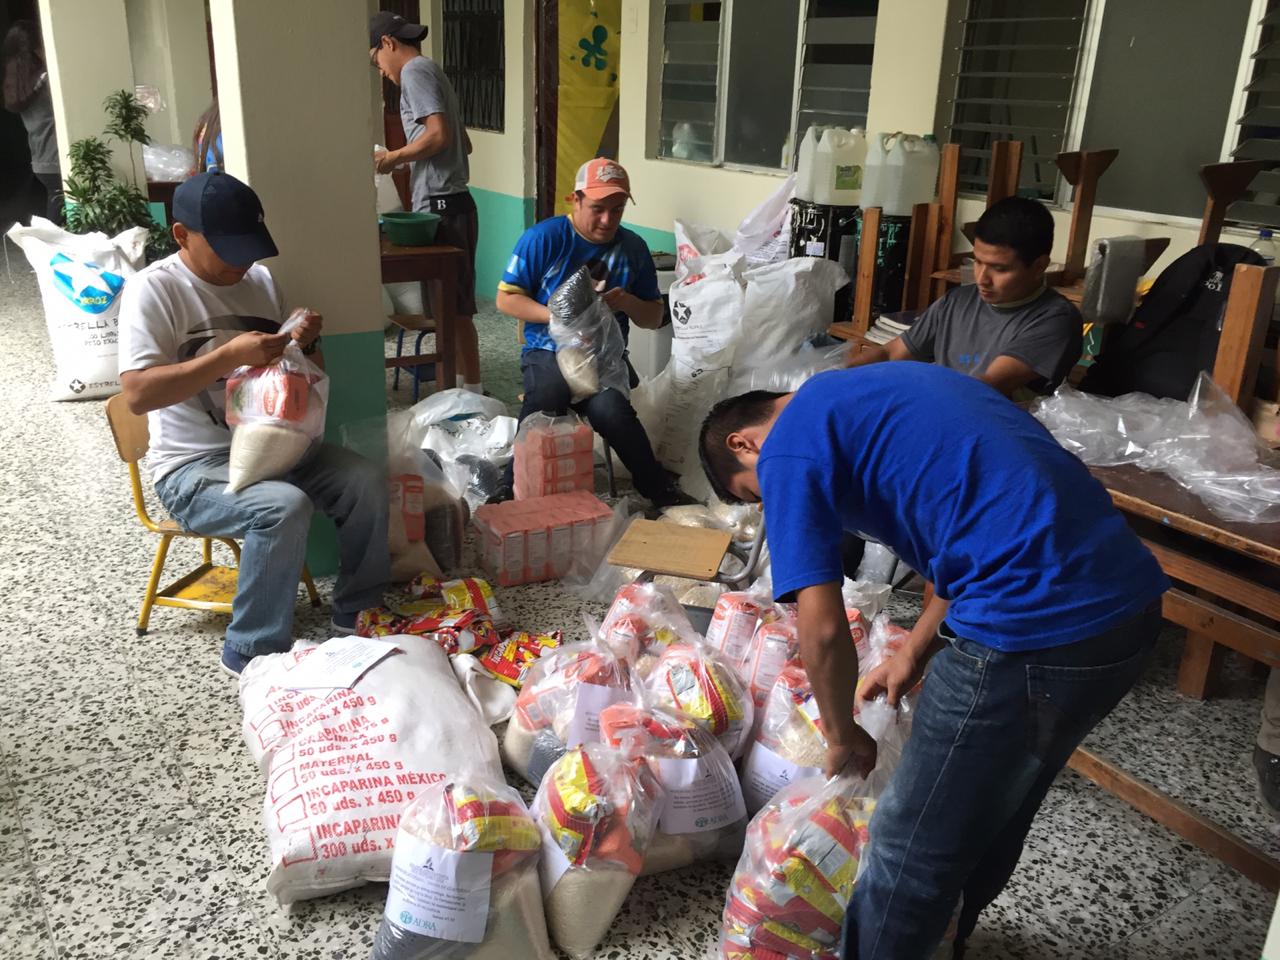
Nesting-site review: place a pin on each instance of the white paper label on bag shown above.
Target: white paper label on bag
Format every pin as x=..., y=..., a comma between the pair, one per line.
x=552, y=864
x=437, y=892
x=585, y=725
x=698, y=797
x=765, y=773
x=339, y=663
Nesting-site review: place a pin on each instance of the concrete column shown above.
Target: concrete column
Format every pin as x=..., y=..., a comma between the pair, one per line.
x=170, y=49
x=294, y=94
x=86, y=44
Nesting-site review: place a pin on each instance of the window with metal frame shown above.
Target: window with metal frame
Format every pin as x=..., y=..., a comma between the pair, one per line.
x=742, y=80
x=474, y=59
x=1012, y=76
x=1259, y=125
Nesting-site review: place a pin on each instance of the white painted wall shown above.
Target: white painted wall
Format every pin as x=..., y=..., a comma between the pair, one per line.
x=170, y=51
x=273, y=60
x=86, y=45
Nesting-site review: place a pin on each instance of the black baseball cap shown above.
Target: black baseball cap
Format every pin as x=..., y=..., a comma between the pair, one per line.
x=227, y=213
x=384, y=23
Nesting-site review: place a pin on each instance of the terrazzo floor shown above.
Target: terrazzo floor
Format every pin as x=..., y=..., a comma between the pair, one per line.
x=129, y=807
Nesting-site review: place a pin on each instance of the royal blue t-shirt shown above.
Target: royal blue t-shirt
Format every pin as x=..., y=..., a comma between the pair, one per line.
x=967, y=488
x=549, y=252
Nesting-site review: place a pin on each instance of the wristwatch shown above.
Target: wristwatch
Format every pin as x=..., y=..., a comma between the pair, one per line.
x=311, y=347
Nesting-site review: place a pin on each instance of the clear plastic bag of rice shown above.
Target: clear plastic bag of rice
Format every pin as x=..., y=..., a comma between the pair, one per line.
x=559, y=706
x=703, y=815
x=645, y=619
x=464, y=878
x=597, y=811
x=703, y=685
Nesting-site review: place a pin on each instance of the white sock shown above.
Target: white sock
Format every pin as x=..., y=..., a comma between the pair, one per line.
x=473, y=387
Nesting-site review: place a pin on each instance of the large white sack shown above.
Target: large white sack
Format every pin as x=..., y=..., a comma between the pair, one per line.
x=671, y=408
x=80, y=277
x=706, y=312
x=342, y=765
x=784, y=305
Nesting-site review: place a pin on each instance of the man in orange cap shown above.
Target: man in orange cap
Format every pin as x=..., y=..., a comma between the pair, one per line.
x=546, y=255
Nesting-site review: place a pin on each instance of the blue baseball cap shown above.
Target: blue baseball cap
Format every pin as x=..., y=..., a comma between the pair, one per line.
x=228, y=214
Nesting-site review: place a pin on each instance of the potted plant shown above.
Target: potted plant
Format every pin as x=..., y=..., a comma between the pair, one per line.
x=98, y=200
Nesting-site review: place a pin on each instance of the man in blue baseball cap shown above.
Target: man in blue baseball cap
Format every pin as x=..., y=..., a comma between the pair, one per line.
x=188, y=321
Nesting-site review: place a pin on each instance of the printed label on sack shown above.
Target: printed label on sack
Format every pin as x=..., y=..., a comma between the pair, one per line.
x=437, y=892
x=697, y=799
x=765, y=773
x=339, y=663
x=552, y=864
x=585, y=725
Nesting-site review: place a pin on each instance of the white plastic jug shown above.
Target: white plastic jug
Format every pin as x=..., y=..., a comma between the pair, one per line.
x=838, y=166
x=901, y=170
x=805, y=162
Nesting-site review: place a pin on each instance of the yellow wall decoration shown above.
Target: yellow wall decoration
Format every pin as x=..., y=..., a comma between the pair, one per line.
x=590, y=55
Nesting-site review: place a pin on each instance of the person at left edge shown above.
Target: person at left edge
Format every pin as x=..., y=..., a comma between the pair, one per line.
x=188, y=321
x=436, y=149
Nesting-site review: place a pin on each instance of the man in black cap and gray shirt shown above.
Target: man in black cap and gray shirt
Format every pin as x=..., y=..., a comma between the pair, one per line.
x=436, y=148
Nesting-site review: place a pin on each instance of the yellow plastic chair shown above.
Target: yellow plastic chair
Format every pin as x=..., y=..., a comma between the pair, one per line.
x=207, y=587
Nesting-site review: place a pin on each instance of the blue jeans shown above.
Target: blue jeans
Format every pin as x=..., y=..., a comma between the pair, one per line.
x=991, y=731
x=272, y=518
x=609, y=413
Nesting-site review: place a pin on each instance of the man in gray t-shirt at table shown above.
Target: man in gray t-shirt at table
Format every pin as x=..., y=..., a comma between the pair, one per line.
x=436, y=149
x=1007, y=328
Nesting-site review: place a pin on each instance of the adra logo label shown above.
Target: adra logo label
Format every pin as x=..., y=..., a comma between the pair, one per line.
x=85, y=284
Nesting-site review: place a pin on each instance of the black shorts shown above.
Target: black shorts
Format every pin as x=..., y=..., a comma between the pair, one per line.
x=460, y=227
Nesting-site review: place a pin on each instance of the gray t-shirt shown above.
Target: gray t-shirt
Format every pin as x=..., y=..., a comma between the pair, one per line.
x=964, y=333
x=424, y=90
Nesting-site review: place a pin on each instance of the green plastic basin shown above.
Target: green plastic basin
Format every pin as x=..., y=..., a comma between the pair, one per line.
x=411, y=229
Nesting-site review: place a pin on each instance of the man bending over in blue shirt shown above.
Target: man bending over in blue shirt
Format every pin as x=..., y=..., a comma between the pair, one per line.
x=1046, y=608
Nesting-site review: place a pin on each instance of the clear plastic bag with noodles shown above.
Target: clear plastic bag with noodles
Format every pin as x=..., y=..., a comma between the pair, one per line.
x=798, y=868
x=276, y=413
x=702, y=684
x=589, y=345
x=559, y=706
x=464, y=879
x=597, y=811
x=703, y=815
x=643, y=620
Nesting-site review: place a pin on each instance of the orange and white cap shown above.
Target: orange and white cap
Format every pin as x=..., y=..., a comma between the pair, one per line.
x=600, y=178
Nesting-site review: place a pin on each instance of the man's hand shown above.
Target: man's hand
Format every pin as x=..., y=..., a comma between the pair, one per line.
x=255, y=349
x=857, y=752
x=617, y=299
x=893, y=677
x=307, y=329
x=384, y=161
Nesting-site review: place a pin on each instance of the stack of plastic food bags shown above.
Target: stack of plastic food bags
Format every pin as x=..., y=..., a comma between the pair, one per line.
x=643, y=621
x=559, y=706
x=703, y=814
x=797, y=871
x=589, y=345
x=695, y=681
x=275, y=413
x=464, y=877
x=597, y=812
x=553, y=455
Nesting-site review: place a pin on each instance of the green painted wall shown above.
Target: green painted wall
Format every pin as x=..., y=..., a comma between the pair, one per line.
x=658, y=240
x=503, y=218
x=356, y=418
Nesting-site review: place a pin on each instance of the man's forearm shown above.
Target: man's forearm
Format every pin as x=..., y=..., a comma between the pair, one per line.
x=520, y=307
x=924, y=642
x=162, y=386
x=645, y=313
x=427, y=145
x=830, y=658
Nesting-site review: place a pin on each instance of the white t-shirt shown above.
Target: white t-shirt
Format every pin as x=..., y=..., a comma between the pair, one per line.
x=169, y=315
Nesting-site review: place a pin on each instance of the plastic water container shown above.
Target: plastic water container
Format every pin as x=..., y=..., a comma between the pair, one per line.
x=838, y=167
x=1265, y=246
x=805, y=161
x=901, y=171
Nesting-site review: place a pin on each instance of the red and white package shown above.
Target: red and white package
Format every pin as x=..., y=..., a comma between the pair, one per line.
x=461, y=632
x=775, y=644
x=553, y=455
x=527, y=541
x=341, y=765
x=643, y=621
x=511, y=657
x=733, y=624
x=700, y=683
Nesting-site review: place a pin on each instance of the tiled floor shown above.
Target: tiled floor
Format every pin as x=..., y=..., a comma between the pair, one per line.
x=129, y=808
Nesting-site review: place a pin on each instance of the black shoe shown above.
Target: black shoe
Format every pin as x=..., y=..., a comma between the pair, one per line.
x=1267, y=766
x=957, y=950
x=673, y=497
x=501, y=494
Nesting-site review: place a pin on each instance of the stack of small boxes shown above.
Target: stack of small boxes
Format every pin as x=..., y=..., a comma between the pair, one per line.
x=553, y=455
x=525, y=541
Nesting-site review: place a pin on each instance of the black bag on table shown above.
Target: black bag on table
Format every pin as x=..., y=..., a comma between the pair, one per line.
x=1174, y=332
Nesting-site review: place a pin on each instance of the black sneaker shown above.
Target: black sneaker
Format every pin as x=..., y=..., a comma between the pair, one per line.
x=343, y=624
x=1267, y=766
x=673, y=497
x=233, y=661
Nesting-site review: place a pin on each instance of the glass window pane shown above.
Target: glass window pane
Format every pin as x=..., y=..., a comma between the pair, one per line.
x=761, y=81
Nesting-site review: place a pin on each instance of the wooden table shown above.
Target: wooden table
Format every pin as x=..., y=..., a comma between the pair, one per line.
x=436, y=268
x=1227, y=595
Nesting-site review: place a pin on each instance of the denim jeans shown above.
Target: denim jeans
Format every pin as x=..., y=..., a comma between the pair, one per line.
x=990, y=733
x=273, y=517
x=609, y=413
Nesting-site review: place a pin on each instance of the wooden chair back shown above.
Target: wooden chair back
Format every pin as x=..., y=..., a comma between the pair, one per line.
x=128, y=429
